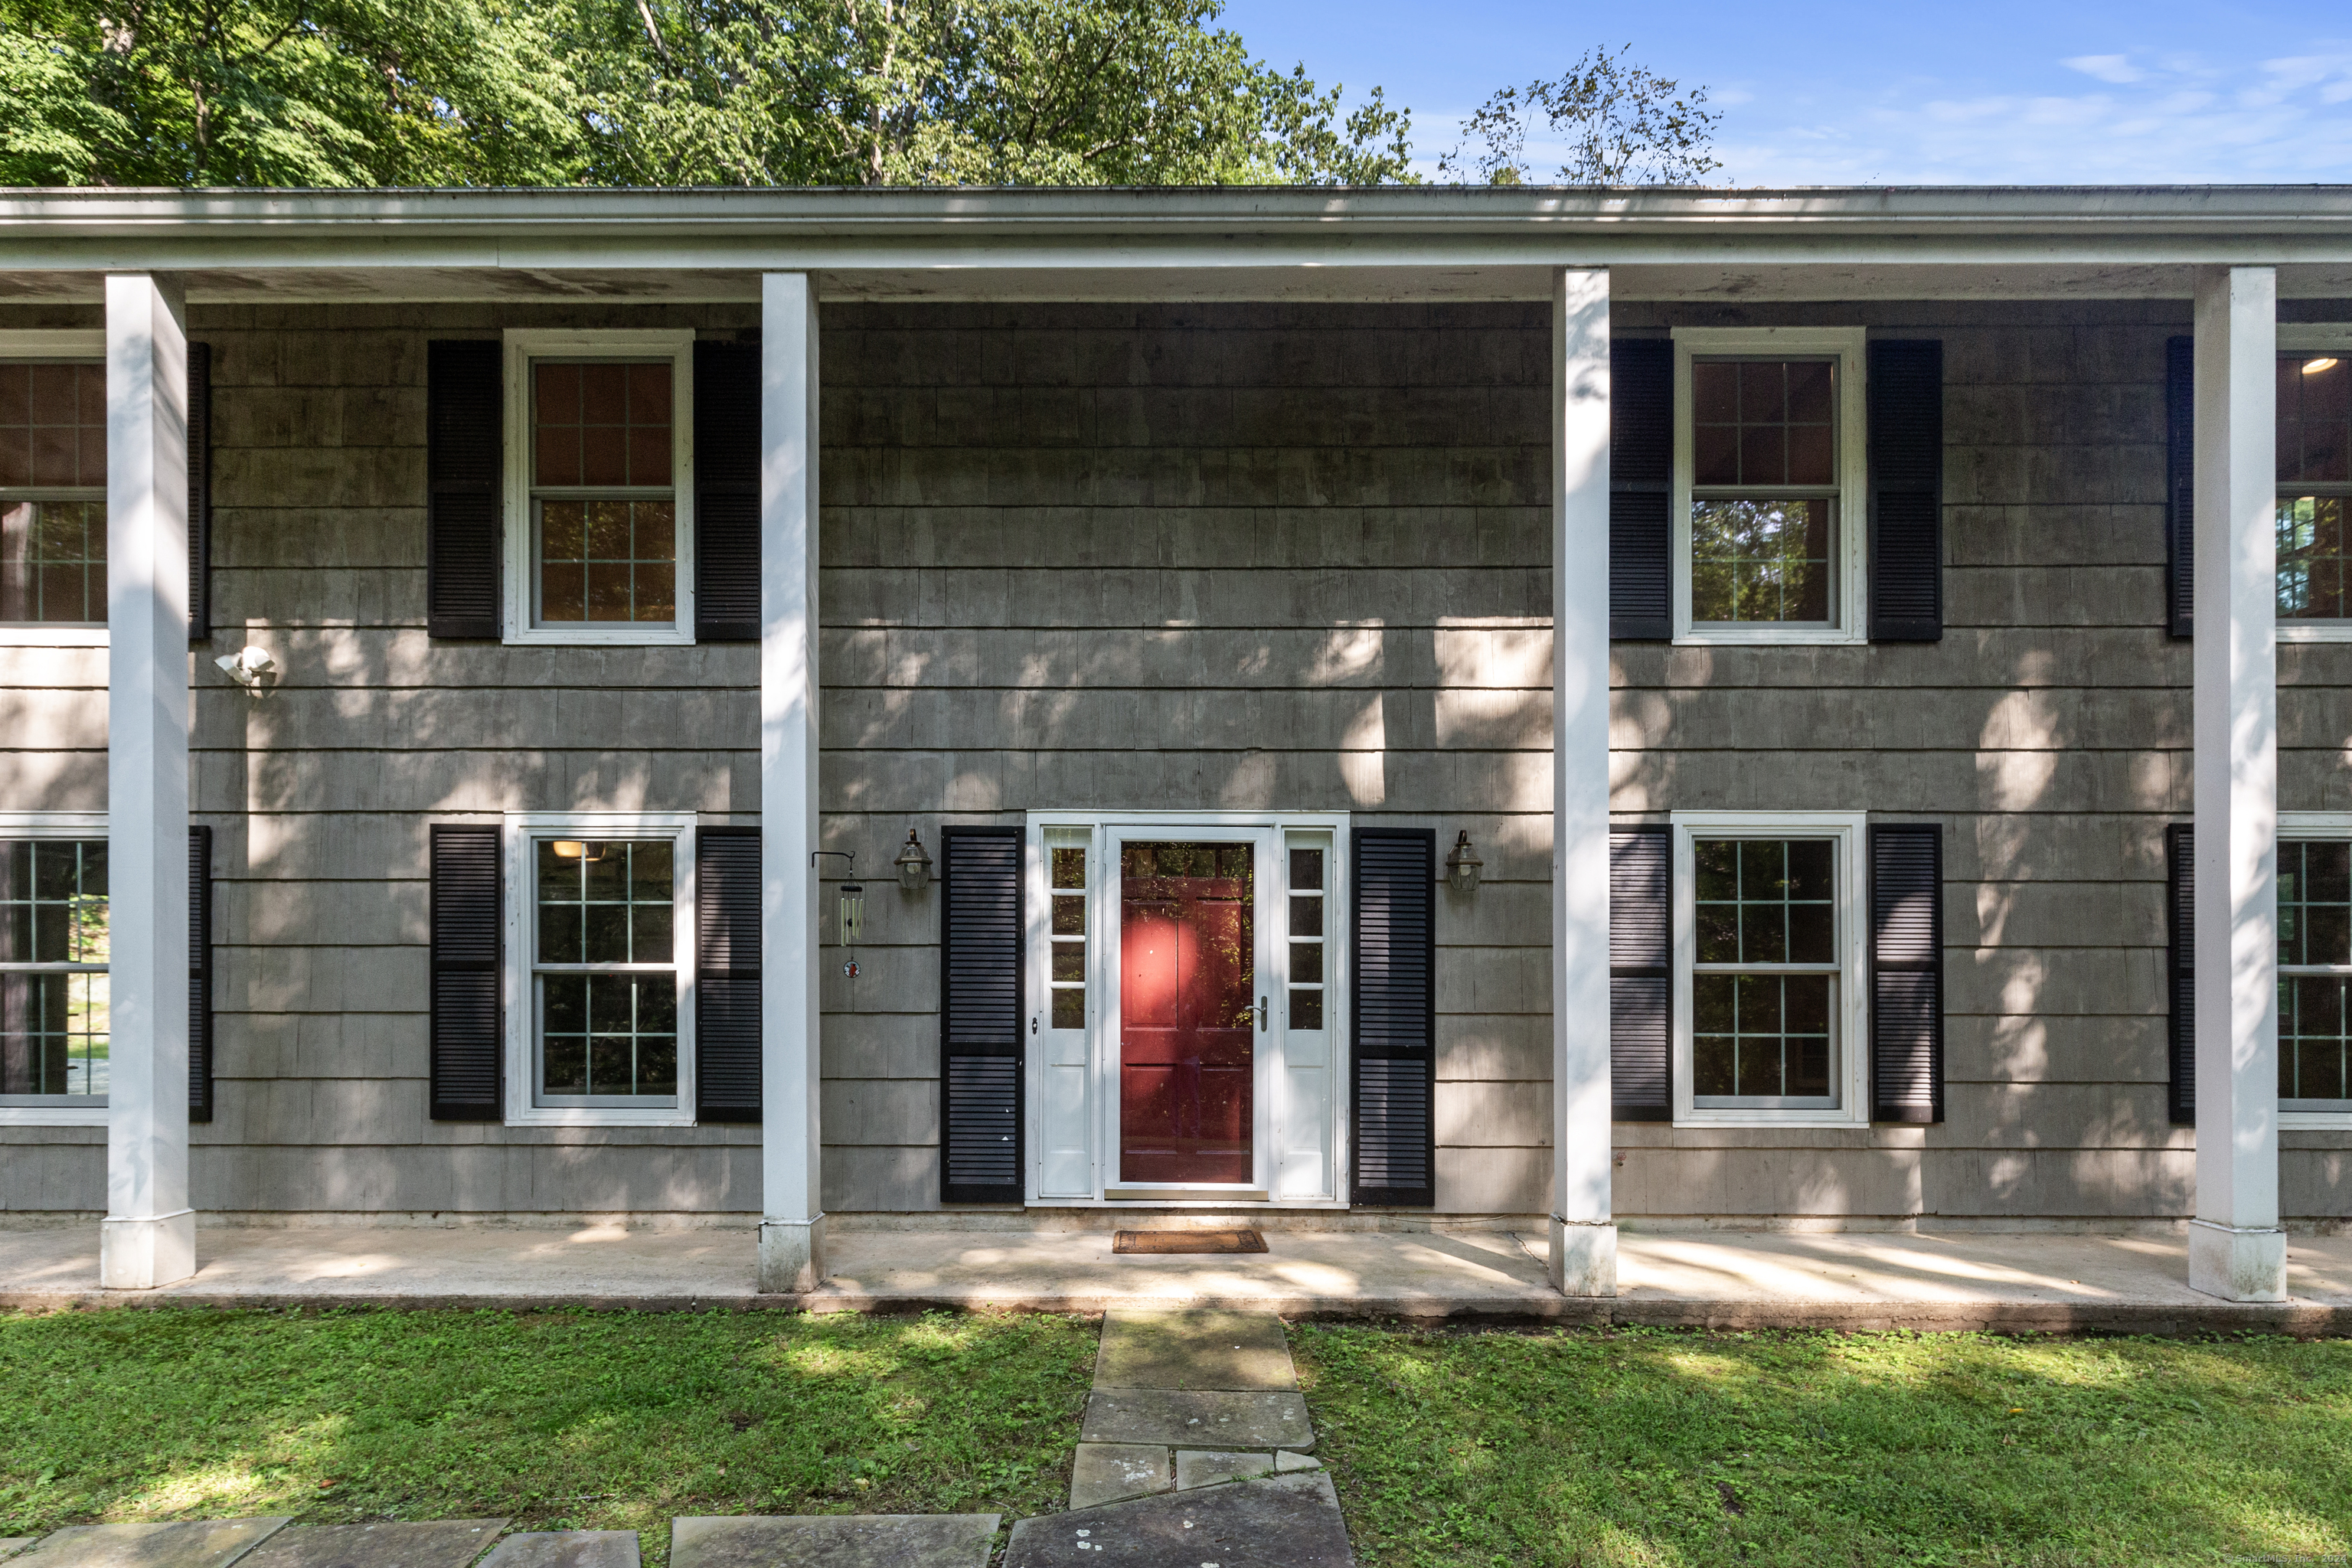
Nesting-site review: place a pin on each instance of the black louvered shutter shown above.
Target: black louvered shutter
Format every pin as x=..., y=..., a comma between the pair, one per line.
x=200, y=973
x=1906, y=971
x=2179, y=482
x=727, y=492
x=464, y=456
x=468, y=924
x=199, y=493
x=1641, y=975
x=1394, y=1031
x=980, y=1022
x=2180, y=968
x=1906, y=491
x=1641, y=466
x=727, y=974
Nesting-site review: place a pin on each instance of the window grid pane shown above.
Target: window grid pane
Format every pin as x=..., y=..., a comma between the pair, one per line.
x=1067, y=979
x=601, y=903
x=52, y=425
x=55, y=1029
x=1308, y=934
x=1764, y=1037
x=607, y=559
x=1767, y=560
x=53, y=561
x=2314, y=919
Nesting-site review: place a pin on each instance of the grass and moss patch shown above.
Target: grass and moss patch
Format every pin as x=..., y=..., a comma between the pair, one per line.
x=1630, y=1447
x=562, y=1420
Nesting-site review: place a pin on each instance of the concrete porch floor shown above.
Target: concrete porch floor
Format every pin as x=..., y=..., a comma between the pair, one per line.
x=1850, y=1280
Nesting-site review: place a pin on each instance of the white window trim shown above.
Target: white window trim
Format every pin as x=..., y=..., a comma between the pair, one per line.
x=1102, y=938
x=2315, y=825
x=521, y=346
x=522, y=827
x=2327, y=338
x=1850, y=344
x=49, y=343
x=90, y=1109
x=1851, y=1069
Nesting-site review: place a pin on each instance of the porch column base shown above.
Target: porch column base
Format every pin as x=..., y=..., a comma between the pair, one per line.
x=142, y=1254
x=1583, y=1256
x=792, y=1254
x=2237, y=1264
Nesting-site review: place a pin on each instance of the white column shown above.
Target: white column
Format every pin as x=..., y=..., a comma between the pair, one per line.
x=149, y=1236
x=1583, y=1233
x=2236, y=1249
x=791, y=1228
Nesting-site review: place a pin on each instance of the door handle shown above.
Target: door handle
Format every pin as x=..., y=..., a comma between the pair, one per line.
x=1260, y=1011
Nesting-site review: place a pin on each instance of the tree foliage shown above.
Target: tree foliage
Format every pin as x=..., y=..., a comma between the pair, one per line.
x=743, y=92
x=1622, y=124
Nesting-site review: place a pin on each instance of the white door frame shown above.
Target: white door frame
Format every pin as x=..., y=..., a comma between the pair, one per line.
x=1280, y=1164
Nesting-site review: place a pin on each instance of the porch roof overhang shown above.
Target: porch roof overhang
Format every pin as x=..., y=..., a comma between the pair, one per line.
x=1221, y=243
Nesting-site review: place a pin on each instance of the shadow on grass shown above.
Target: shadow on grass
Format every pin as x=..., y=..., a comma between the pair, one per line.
x=1595, y=1448
x=562, y=1420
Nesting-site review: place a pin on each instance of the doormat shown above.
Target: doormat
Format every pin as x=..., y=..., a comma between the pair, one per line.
x=1188, y=1241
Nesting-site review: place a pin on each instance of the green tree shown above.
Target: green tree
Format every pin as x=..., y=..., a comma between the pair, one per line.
x=1623, y=125
x=281, y=93
x=911, y=92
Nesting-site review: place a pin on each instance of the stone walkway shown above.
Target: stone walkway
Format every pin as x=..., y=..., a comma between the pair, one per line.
x=1194, y=1454
x=1851, y=1280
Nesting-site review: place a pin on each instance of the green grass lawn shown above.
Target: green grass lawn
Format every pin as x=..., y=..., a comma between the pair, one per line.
x=570, y=1420
x=1628, y=1446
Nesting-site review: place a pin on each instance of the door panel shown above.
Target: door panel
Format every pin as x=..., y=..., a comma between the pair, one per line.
x=1188, y=978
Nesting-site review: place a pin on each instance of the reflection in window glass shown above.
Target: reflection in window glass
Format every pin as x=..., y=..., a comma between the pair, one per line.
x=1763, y=492
x=54, y=1012
x=52, y=493
x=2314, y=477
x=1764, y=984
x=2314, y=919
x=606, y=976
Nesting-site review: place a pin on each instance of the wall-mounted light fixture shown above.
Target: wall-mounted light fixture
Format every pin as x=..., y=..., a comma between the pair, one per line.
x=1462, y=866
x=914, y=865
x=247, y=666
x=576, y=849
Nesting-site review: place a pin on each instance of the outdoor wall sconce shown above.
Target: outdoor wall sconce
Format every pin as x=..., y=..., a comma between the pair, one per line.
x=914, y=865
x=1461, y=865
x=247, y=666
x=849, y=915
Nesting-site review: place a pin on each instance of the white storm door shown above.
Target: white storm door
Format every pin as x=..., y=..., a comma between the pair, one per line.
x=1301, y=904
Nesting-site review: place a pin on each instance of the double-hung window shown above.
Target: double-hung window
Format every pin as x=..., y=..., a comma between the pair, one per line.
x=600, y=535
x=53, y=1020
x=1770, y=467
x=1769, y=950
x=601, y=931
x=52, y=485
x=2315, y=968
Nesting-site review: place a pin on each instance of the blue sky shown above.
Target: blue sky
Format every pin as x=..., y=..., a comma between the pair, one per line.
x=1816, y=93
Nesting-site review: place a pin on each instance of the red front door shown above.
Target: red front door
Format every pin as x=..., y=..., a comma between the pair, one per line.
x=1187, y=1012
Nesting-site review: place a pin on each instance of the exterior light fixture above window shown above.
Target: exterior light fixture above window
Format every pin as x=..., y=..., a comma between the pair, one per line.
x=914, y=865
x=1463, y=866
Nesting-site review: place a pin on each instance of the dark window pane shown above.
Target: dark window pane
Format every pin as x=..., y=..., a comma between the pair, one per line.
x=1759, y=1003
x=1808, y=1060
x=1763, y=392
x=1763, y=933
x=1069, y=961
x=1759, y=1066
x=612, y=1003
x=656, y=1004
x=1812, y=868
x=1717, y=863
x=1070, y=1007
x=1812, y=933
x=566, y=1002
x=1807, y=1004
x=656, y=1064
x=1070, y=917
x=1306, y=870
x=1306, y=1009
x=1714, y=1059
x=1715, y=455
x=1307, y=962
x=1811, y=392
x=1070, y=868
x=1715, y=393
x=1713, y=1010
x=1307, y=916
x=652, y=939
x=610, y=1061
x=650, y=874
x=1719, y=934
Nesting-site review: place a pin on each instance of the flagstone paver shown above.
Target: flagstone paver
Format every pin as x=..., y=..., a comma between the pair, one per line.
x=566, y=1549
x=1286, y=1522
x=1196, y=1469
x=13, y=1544
x=1108, y=1472
x=197, y=1544
x=835, y=1540
x=1227, y=1350
x=1286, y=1462
x=1197, y=1418
x=442, y=1544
